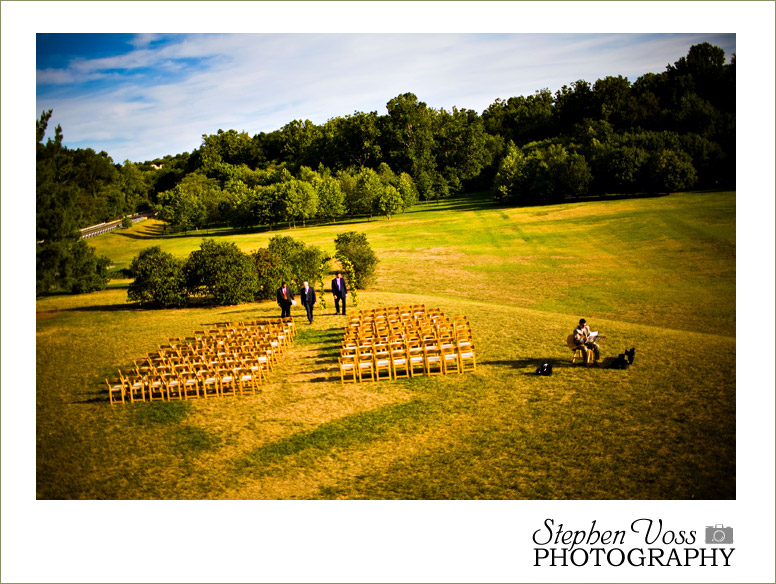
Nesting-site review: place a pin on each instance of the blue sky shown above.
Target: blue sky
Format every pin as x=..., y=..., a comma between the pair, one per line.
x=141, y=96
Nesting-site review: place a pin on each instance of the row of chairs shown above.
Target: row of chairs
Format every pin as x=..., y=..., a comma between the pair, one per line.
x=421, y=323
x=230, y=359
x=420, y=342
x=184, y=384
x=401, y=358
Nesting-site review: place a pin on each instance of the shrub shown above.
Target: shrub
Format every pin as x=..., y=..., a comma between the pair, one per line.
x=269, y=272
x=354, y=247
x=287, y=260
x=159, y=279
x=221, y=271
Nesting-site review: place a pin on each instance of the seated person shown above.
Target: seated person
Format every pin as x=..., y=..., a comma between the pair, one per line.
x=585, y=340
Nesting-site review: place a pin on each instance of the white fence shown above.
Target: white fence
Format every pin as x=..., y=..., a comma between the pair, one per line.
x=101, y=228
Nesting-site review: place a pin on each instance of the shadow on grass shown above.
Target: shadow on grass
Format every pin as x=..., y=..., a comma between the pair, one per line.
x=146, y=235
x=99, y=399
x=345, y=432
x=109, y=308
x=534, y=363
x=514, y=363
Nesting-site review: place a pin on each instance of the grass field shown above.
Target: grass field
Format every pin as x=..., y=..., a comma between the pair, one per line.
x=654, y=273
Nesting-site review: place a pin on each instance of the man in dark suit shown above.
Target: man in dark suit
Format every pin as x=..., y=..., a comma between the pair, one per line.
x=307, y=296
x=340, y=291
x=285, y=298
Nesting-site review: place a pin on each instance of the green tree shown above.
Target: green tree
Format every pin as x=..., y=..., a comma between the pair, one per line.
x=509, y=182
x=620, y=168
x=614, y=101
x=522, y=119
x=241, y=205
x=222, y=272
x=183, y=207
x=406, y=187
x=299, y=139
x=541, y=172
x=230, y=148
x=301, y=201
x=270, y=273
x=389, y=202
x=368, y=189
x=574, y=104
x=331, y=199
x=285, y=250
x=409, y=135
x=460, y=146
x=671, y=171
x=63, y=260
x=347, y=181
x=129, y=193
x=159, y=279
x=355, y=248
x=553, y=173
x=96, y=179
x=351, y=141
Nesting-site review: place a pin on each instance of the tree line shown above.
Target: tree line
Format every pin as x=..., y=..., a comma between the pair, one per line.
x=248, y=198
x=220, y=273
x=664, y=132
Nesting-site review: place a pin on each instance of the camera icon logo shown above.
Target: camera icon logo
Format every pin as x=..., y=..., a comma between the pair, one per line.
x=719, y=534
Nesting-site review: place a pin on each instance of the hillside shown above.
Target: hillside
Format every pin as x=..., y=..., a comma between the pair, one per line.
x=654, y=273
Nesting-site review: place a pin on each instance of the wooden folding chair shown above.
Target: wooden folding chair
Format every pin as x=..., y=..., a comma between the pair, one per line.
x=416, y=358
x=143, y=368
x=466, y=358
x=348, y=368
x=156, y=387
x=382, y=361
x=400, y=362
x=208, y=381
x=264, y=356
x=115, y=387
x=432, y=359
x=227, y=381
x=450, y=358
x=578, y=352
x=365, y=365
x=134, y=386
x=246, y=380
x=172, y=385
x=189, y=383
x=253, y=362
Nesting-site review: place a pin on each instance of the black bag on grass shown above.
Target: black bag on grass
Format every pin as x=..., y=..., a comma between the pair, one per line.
x=544, y=369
